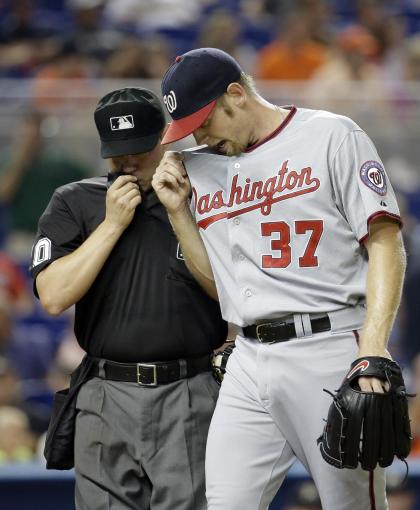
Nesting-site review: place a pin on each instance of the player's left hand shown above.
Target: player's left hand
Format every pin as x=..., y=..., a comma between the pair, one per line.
x=373, y=384
x=368, y=426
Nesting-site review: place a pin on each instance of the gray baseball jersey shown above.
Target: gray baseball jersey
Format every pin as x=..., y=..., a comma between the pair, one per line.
x=284, y=222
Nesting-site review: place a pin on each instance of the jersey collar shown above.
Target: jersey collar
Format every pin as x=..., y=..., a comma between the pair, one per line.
x=284, y=123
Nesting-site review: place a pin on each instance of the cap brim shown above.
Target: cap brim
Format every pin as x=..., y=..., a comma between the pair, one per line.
x=181, y=128
x=114, y=148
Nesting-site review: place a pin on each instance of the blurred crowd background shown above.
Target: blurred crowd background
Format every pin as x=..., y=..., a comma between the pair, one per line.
x=58, y=57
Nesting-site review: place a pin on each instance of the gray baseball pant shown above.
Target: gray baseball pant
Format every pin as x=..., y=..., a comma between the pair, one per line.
x=270, y=411
x=143, y=448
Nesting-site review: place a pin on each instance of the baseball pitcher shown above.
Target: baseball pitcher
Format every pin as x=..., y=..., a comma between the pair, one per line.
x=287, y=215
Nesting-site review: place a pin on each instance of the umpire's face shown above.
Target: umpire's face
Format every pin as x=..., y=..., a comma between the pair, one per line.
x=141, y=165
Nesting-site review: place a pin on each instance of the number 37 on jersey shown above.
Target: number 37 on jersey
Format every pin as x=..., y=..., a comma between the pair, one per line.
x=282, y=249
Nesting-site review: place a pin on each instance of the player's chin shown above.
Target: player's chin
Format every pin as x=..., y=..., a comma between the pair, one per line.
x=233, y=149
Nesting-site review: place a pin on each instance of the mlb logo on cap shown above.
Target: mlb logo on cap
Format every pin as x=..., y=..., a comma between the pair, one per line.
x=124, y=122
x=129, y=121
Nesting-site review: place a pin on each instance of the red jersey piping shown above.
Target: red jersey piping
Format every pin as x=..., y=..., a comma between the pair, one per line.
x=285, y=122
x=376, y=215
x=356, y=336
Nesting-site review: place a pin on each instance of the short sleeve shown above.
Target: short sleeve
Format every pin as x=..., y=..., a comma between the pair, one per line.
x=361, y=186
x=59, y=234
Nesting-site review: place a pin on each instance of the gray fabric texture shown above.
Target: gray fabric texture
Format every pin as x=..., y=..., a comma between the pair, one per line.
x=143, y=448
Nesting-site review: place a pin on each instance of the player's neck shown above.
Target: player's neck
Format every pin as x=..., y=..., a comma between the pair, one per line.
x=267, y=118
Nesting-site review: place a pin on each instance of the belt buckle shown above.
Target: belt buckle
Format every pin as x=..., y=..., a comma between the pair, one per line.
x=257, y=332
x=146, y=365
x=269, y=324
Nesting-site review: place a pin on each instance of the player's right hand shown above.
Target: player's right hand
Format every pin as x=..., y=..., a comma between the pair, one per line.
x=122, y=198
x=171, y=182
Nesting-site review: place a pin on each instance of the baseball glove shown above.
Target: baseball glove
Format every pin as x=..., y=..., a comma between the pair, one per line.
x=219, y=361
x=369, y=428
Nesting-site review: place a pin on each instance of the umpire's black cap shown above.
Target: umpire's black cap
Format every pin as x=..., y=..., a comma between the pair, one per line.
x=129, y=121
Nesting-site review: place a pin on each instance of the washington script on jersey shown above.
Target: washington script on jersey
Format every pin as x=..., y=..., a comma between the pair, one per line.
x=268, y=192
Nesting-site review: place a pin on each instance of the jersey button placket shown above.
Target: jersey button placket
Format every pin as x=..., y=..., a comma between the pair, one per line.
x=235, y=234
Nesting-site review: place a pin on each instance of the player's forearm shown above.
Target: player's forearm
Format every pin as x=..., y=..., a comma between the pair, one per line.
x=64, y=282
x=193, y=250
x=387, y=263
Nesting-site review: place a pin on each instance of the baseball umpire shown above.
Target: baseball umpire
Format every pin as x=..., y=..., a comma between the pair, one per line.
x=302, y=232
x=106, y=245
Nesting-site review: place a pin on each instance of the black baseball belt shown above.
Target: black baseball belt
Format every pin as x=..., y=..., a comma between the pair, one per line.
x=153, y=373
x=281, y=331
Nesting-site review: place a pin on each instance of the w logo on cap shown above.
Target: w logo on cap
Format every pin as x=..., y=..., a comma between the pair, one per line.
x=170, y=101
x=123, y=122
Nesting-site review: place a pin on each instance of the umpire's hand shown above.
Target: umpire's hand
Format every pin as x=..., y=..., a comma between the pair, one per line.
x=122, y=199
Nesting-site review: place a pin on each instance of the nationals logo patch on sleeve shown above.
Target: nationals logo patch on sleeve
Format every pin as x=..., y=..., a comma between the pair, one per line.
x=372, y=174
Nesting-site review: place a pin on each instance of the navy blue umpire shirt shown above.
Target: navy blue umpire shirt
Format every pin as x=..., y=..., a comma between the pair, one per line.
x=144, y=304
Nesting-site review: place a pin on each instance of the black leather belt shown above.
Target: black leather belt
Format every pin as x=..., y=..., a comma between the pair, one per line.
x=152, y=374
x=282, y=331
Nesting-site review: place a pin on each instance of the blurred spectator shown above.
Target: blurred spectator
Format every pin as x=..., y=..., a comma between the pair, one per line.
x=222, y=30
x=138, y=59
x=292, y=55
x=374, y=17
x=21, y=23
x=14, y=295
x=317, y=14
x=351, y=59
x=408, y=179
x=5, y=324
x=64, y=81
x=33, y=397
x=17, y=443
x=9, y=384
x=67, y=358
x=415, y=406
x=127, y=61
x=91, y=35
x=412, y=49
x=391, y=56
x=147, y=15
x=25, y=41
x=21, y=59
x=388, y=29
x=159, y=56
x=31, y=174
x=276, y=8
x=305, y=497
